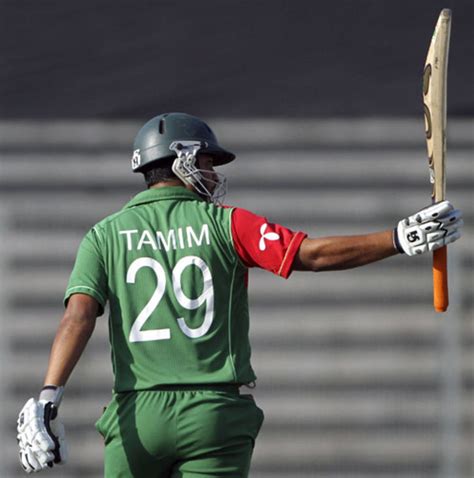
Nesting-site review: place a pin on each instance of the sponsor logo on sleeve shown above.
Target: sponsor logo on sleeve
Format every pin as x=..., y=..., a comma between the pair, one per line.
x=266, y=236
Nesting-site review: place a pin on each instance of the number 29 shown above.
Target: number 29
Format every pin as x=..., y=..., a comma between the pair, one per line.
x=207, y=297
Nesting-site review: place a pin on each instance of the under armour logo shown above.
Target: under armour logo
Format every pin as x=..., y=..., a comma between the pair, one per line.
x=136, y=159
x=269, y=236
x=413, y=236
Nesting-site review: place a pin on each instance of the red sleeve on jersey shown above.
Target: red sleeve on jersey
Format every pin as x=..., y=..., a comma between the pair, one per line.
x=260, y=243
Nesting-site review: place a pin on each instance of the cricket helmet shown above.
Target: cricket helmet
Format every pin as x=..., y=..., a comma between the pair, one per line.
x=154, y=140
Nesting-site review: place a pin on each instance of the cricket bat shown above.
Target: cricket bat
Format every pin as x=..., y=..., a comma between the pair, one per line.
x=434, y=101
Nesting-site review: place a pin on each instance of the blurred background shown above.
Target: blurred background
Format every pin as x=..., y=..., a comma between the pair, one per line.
x=358, y=377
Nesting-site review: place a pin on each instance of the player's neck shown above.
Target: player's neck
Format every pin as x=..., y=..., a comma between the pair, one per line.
x=171, y=183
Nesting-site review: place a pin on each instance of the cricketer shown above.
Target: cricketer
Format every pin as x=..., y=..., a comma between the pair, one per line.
x=173, y=265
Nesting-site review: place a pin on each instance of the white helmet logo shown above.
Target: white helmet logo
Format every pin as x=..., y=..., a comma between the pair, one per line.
x=269, y=236
x=136, y=159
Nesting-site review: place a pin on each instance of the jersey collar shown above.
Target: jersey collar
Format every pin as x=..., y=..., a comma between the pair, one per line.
x=162, y=194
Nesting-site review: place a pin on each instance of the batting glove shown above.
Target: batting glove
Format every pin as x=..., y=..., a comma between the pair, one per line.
x=41, y=435
x=429, y=229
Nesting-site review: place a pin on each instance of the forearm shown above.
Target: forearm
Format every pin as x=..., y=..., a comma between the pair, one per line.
x=344, y=252
x=40, y=433
x=71, y=338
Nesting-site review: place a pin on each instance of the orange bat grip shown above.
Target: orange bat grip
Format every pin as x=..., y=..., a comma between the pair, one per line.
x=440, y=279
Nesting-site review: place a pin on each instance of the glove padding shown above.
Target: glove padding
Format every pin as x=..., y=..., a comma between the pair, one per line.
x=41, y=436
x=429, y=229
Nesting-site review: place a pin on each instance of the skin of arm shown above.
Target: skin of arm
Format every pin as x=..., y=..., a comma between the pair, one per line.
x=343, y=252
x=71, y=338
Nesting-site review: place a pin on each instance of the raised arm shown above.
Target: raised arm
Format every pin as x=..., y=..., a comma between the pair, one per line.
x=277, y=249
x=343, y=252
x=427, y=230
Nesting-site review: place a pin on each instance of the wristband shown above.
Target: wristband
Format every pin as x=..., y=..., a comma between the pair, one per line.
x=396, y=242
x=52, y=393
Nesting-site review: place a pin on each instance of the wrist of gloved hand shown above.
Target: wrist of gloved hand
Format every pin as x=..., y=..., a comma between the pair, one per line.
x=429, y=229
x=52, y=393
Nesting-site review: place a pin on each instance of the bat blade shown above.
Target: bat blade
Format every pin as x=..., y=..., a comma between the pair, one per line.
x=435, y=105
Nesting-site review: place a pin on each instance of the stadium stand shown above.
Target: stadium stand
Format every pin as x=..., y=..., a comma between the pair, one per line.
x=358, y=377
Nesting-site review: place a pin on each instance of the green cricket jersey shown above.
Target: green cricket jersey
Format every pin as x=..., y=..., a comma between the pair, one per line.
x=176, y=289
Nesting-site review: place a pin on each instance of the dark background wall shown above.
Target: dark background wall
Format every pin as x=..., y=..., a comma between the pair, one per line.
x=226, y=58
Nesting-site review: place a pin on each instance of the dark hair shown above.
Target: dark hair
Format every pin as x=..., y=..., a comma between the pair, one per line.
x=159, y=172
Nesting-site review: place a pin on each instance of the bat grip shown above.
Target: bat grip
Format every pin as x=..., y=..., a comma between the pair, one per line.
x=440, y=279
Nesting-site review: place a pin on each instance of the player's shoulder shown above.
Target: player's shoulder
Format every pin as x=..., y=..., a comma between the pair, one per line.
x=244, y=214
x=232, y=208
x=212, y=209
x=110, y=218
x=101, y=226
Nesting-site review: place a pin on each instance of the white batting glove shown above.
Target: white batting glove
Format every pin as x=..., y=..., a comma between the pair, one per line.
x=429, y=229
x=41, y=436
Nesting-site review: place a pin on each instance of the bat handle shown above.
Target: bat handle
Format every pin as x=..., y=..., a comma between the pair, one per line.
x=440, y=279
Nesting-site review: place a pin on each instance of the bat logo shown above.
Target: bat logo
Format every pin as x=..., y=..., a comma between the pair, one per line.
x=426, y=79
x=429, y=124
